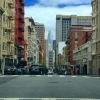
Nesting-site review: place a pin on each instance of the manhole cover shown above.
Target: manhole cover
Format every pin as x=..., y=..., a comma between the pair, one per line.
x=53, y=82
x=69, y=81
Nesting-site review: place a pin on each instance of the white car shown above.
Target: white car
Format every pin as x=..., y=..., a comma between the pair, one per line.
x=50, y=72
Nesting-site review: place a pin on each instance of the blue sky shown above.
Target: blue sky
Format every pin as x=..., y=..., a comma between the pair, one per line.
x=45, y=11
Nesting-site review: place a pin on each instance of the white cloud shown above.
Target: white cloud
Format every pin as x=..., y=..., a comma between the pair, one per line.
x=47, y=15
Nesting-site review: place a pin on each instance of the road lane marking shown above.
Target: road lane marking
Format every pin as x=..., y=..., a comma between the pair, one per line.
x=62, y=76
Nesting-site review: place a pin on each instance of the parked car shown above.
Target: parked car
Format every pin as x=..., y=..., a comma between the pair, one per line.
x=10, y=70
x=22, y=70
x=50, y=72
x=34, y=69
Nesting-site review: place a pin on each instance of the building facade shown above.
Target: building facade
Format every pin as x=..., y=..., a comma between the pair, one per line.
x=32, y=40
x=19, y=30
x=82, y=57
x=51, y=59
x=65, y=55
x=54, y=45
x=50, y=39
x=7, y=33
x=40, y=29
x=47, y=52
x=78, y=35
x=63, y=23
x=95, y=36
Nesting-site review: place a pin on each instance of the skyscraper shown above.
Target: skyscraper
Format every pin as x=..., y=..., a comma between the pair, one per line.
x=50, y=39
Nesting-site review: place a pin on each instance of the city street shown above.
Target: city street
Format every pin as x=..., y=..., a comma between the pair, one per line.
x=49, y=86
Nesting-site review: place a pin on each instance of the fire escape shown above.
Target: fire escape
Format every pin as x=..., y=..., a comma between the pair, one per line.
x=21, y=30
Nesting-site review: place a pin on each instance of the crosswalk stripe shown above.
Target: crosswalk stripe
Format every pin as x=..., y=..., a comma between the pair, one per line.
x=85, y=76
x=50, y=75
x=47, y=99
x=74, y=76
x=62, y=76
x=38, y=75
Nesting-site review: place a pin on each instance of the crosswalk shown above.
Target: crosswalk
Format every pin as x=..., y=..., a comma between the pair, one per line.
x=62, y=76
x=47, y=99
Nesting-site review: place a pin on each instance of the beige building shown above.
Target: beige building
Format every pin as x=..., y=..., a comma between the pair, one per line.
x=95, y=36
x=33, y=41
x=65, y=55
x=82, y=56
x=7, y=36
x=60, y=60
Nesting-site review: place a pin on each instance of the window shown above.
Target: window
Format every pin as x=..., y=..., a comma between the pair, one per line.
x=3, y=18
x=3, y=46
x=4, y=3
x=4, y=32
x=0, y=18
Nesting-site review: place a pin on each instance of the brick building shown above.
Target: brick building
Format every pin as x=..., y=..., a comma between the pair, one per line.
x=77, y=36
x=19, y=30
x=40, y=55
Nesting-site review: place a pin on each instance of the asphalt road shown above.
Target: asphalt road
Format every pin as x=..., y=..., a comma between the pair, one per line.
x=49, y=86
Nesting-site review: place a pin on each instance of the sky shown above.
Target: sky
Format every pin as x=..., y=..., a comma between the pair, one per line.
x=45, y=11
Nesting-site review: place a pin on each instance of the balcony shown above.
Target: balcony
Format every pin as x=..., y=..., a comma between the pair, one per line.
x=10, y=28
x=11, y=3
x=21, y=36
x=10, y=14
x=20, y=46
x=21, y=19
x=21, y=0
x=10, y=39
x=21, y=29
x=10, y=54
x=22, y=3
x=21, y=10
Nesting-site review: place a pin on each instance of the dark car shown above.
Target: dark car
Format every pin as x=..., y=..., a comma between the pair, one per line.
x=34, y=69
x=22, y=70
x=10, y=70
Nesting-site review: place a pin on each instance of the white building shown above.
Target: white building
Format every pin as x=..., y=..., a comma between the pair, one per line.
x=51, y=58
x=82, y=56
x=63, y=23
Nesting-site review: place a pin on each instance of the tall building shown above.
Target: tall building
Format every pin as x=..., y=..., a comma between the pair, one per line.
x=6, y=33
x=54, y=45
x=19, y=30
x=78, y=35
x=95, y=36
x=51, y=59
x=47, y=52
x=50, y=39
x=63, y=23
x=40, y=34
